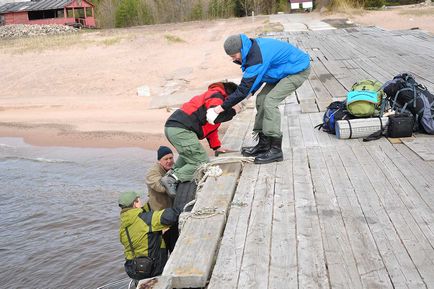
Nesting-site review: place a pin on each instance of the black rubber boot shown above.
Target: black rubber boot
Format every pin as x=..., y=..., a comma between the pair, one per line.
x=274, y=154
x=262, y=146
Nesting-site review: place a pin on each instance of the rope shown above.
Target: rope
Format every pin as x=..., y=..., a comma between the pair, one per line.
x=210, y=169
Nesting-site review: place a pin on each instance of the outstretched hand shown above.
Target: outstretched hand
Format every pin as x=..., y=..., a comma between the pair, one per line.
x=222, y=150
x=211, y=115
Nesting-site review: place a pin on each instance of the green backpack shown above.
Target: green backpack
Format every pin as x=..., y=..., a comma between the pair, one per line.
x=365, y=97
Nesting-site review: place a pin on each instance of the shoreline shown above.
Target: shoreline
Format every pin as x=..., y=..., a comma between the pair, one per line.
x=44, y=136
x=39, y=135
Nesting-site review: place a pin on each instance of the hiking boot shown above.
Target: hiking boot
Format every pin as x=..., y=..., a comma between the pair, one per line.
x=274, y=154
x=170, y=182
x=262, y=146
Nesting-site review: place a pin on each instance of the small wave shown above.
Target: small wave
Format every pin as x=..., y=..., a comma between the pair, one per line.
x=37, y=160
x=2, y=145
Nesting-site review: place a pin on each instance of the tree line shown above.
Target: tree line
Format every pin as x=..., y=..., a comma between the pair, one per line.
x=124, y=13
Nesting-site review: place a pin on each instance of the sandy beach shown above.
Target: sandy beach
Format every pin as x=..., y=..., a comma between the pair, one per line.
x=82, y=90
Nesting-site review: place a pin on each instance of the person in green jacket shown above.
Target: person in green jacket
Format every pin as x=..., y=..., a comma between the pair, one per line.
x=140, y=233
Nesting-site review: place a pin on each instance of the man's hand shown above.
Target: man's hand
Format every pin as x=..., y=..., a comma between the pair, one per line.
x=211, y=115
x=222, y=150
x=239, y=107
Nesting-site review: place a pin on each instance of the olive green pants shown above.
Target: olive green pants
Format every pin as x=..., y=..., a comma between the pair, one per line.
x=267, y=117
x=191, y=152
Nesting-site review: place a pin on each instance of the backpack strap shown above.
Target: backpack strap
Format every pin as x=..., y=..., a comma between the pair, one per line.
x=351, y=129
x=131, y=243
x=376, y=135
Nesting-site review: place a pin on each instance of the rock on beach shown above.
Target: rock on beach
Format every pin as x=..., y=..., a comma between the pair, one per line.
x=29, y=30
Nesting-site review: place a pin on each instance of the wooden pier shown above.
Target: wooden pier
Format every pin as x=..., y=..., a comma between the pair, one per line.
x=335, y=213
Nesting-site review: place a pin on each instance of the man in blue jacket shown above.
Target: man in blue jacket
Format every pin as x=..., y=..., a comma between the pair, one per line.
x=283, y=68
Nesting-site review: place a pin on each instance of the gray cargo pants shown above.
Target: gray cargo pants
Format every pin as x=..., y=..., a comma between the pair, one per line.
x=267, y=117
x=191, y=152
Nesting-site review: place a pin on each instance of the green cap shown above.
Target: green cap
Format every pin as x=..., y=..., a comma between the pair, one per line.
x=127, y=198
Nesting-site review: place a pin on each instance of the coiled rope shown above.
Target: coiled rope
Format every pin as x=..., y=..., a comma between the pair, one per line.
x=210, y=169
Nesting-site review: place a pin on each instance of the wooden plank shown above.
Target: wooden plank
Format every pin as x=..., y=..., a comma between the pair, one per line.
x=254, y=268
x=291, y=105
x=307, y=131
x=369, y=262
x=312, y=272
x=237, y=131
x=420, y=211
x=422, y=146
x=294, y=131
x=331, y=84
x=230, y=256
x=160, y=282
x=321, y=92
x=391, y=224
x=305, y=93
x=417, y=181
x=283, y=261
x=309, y=107
x=341, y=264
x=190, y=263
x=423, y=167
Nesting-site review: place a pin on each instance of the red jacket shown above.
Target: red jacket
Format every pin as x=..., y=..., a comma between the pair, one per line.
x=192, y=115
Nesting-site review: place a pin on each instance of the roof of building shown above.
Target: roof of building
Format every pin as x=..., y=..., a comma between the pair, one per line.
x=34, y=5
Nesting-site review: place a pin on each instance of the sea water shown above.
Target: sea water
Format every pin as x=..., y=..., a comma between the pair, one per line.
x=59, y=216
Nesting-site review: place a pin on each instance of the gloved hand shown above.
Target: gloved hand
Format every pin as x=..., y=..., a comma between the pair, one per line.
x=211, y=115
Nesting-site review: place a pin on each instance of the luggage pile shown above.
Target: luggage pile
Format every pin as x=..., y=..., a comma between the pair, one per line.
x=408, y=104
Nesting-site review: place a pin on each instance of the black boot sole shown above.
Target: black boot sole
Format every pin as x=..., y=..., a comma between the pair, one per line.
x=261, y=162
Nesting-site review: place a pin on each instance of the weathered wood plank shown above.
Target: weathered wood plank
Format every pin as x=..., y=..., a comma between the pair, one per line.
x=160, y=282
x=417, y=181
x=236, y=132
x=369, y=262
x=294, y=131
x=305, y=93
x=388, y=219
x=332, y=85
x=230, y=256
x=283, y=261
x=422, y=146
x=190, y=263
x=341, y=264
x=254, y=268
x=420, y=211
x=310, y=253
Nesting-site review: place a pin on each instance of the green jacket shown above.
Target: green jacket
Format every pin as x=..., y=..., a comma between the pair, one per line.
x=145, y=229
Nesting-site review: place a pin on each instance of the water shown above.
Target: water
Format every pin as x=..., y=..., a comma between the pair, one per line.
x=59, y=216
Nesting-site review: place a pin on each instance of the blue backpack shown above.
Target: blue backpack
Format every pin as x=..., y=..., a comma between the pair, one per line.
x=337, y=110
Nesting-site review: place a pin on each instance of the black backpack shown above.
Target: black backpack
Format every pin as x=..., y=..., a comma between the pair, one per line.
x=405, y=95
x=336, y=110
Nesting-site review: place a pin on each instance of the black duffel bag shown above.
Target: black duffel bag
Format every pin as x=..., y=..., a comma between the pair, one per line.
x=400, y=125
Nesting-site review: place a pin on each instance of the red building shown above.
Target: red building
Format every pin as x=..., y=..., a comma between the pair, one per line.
x=48, y=12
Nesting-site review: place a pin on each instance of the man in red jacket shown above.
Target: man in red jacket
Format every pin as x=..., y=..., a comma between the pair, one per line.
x=187, y=125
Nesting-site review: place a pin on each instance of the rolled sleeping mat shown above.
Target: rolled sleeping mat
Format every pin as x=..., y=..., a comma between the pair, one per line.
x=359, y=127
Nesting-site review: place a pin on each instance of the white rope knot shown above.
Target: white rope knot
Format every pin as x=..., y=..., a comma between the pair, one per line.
x=203, y=213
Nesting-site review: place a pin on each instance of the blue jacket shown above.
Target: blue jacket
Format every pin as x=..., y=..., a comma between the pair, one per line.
x=265, y=60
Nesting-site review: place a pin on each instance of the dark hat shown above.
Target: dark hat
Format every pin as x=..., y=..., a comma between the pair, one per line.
x=233, y=44
x=127, y=198
x=162, y=151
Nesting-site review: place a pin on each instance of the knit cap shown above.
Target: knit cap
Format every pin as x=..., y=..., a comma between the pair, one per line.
x=233, y=44
x=162, y=151
x=127, y=198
